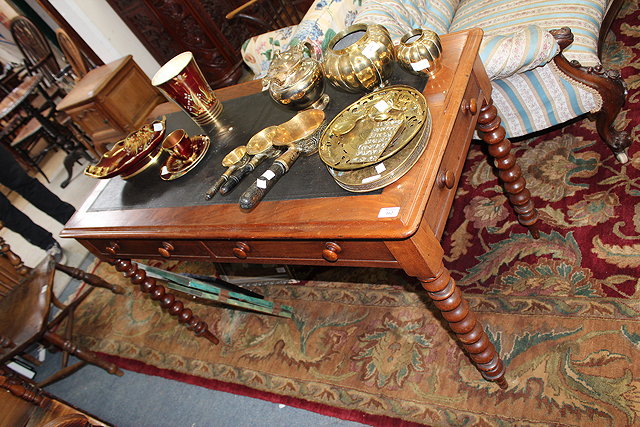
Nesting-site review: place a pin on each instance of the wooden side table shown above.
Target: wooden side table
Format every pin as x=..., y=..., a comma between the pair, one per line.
x=399, y=227
x=111, y=101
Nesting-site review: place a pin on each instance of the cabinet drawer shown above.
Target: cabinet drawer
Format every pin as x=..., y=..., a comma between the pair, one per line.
x=299, y=252
x=171, y=249
x=443, y=192
x=91, y=119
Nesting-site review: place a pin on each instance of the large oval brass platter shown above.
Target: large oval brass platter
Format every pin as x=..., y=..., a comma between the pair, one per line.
x=373, y=128
x=387, y=171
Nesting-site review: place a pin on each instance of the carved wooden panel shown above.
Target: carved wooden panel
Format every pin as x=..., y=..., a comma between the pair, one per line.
x=169, y=27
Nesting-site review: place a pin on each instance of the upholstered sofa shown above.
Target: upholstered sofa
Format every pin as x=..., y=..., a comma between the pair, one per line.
x=542, y=56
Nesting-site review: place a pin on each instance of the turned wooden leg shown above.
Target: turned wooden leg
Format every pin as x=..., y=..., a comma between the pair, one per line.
x=89, y=278
x=166, y=300
x=85, y=356
x=448, y=298
x=608, y=83
x=27, y=393
x=492, y=132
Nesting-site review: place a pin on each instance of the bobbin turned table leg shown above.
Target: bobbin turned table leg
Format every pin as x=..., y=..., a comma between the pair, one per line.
x=166, y=300
x=448, y=298
x=510, y=174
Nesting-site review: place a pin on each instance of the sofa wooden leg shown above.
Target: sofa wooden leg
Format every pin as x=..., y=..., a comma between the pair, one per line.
x=608, y=83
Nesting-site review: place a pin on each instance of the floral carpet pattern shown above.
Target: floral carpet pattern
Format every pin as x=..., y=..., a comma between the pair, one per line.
x=563, y=310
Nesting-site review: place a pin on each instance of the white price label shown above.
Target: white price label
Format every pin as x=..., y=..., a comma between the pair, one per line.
x=369, y=50
x=268, y=174
x=157, y=127
x=382, y=106
x=389, y=212
x=371, y=179
x=380, y=168
x=420, y=65
x=261, y=183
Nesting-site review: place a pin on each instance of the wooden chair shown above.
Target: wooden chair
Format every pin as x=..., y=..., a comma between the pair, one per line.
x=35, y=49
x=75, y=58
x=27, y=312
x=24, y=404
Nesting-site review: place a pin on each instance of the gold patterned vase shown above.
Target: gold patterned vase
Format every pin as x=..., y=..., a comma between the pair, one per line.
x=360, y=58
x=181, y=81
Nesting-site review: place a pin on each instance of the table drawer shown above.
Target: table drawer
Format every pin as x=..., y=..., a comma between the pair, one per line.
x=172, y=249
x=443, y=192
x=308, y=252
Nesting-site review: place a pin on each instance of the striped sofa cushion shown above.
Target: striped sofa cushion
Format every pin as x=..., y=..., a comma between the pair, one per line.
x=525, y=48
x=584, y=17
x=541, y=98
x=402, y=16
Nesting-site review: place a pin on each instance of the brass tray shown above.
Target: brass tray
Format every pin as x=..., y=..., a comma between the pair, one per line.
x=387, y=171
x=342, y=150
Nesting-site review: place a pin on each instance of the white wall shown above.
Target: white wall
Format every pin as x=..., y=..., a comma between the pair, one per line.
x=9, y=52
x=103, y=30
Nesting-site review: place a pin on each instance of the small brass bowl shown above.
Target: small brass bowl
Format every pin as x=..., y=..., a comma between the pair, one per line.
x=419, y=52
x=360, y=58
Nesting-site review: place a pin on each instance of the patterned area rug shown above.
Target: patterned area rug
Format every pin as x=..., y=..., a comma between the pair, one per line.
x=365, y=344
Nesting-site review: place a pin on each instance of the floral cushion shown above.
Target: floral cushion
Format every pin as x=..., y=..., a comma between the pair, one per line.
x=323, y=20
x=500, y=17
x=402, y=16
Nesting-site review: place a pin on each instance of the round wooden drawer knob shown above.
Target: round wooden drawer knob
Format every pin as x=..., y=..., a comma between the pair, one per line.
x=446, y=179
x=241, y=250
x=165, y=249
x=470, y=106
x=331, y=251
x=113, y=248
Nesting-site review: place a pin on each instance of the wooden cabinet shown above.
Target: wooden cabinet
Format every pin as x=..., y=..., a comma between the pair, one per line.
x=111, y=101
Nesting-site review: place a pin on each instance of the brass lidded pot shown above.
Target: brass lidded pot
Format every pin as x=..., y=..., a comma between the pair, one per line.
x=360, y=58
x=295, y=80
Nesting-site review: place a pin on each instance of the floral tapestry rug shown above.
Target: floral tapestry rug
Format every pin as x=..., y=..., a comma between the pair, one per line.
x=366, y=345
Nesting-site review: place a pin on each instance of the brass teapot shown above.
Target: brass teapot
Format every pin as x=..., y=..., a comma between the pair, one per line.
x=295, y=80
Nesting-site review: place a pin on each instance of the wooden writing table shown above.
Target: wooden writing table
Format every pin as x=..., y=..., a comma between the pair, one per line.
x=344, y=230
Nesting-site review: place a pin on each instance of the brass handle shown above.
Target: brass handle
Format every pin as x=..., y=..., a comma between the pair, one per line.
x=165, y=249
x=470, y=106
x=331, y=251
x=446, y=179
x=113, y=248
x=241, y=250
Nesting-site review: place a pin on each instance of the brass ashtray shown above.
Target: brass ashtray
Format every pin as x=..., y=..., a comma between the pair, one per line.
x=373, y=128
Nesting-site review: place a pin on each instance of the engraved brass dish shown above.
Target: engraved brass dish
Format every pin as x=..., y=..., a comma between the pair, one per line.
x=385, y=172
x=419, y=52
x=383, y=123
x=360, y=58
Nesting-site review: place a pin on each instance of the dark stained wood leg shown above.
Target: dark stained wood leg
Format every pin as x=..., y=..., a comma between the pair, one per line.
x=89, y=278
x=491, y=131
x=448, y=298
x=85, y=356
x=24, y=391
x=608, y=83
x=166, y=300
